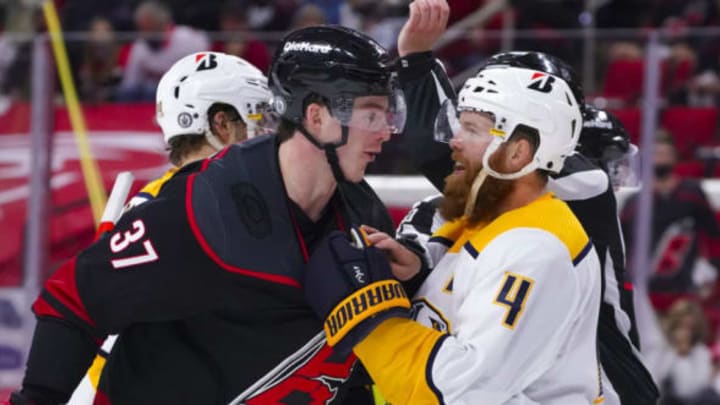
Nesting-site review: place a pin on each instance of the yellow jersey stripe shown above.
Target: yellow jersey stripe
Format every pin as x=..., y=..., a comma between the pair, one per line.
x=95, y=370
x=547, y=213
x=153, y=188
x=449, y=232
x=391, y=354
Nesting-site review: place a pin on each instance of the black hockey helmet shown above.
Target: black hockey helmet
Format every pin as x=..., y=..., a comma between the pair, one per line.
x=605, y=141
x=603, y=136
x=336, y=63
x=541, y=62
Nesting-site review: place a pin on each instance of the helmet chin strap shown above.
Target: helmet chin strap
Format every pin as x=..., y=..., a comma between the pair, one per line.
x=489, y=171
x=330, y=150
x=472, y=197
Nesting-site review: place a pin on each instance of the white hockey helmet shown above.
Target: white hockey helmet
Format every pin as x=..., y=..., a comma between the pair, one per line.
x=520, y=97
x=197, y=81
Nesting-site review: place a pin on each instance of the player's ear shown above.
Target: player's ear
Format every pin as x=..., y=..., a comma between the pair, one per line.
x=220, y=126
x=313, y=117
x=518, y=153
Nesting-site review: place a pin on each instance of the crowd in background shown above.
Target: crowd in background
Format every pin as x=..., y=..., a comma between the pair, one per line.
x=111, y=65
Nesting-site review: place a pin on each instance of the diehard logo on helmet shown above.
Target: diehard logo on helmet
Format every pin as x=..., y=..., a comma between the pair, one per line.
x=307, y=47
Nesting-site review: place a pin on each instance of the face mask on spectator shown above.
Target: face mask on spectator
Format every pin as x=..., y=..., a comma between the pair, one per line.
x=663, y=171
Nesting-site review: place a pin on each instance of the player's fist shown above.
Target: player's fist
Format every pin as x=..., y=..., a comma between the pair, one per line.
x=350, y=286
x=426, y=23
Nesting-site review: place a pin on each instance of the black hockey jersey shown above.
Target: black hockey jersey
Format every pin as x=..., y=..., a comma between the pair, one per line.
x=203, y=285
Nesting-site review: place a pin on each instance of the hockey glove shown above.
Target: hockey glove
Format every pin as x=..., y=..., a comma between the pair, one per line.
x=350, y=286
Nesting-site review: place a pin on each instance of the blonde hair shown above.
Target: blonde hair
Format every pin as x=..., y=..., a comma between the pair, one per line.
x=679, y=310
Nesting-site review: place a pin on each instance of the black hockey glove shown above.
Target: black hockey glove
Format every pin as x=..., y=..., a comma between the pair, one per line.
x=350, y=286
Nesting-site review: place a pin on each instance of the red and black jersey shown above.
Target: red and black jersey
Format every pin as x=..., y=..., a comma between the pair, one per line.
x=682, y=222
x=203, y=285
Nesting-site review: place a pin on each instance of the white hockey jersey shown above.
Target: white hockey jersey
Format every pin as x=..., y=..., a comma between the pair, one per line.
x=512, y=310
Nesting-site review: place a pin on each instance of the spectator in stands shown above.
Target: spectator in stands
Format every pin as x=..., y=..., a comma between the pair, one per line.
x=19, y=68
x=237, y=40
x=625, y=50
x=622, y=13
x=549, y=15
x=688, y=364
x=270, y=15
x=8, y=50
x=99, y=71
x=161, y=44
x=331, y=9
x=675, y=350
x=307, y=16
x=382, y=20
x=683, y=227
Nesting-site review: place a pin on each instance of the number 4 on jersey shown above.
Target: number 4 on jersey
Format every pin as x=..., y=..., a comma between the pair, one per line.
x=513, y=293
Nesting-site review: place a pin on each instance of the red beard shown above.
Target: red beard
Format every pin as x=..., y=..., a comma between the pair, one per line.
x=491, y=195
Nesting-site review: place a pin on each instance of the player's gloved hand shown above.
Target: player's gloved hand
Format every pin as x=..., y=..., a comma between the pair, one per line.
x=349, y=284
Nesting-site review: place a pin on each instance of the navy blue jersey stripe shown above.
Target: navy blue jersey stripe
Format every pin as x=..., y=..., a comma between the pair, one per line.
x=471, y=249
x=443, y=241
x=582, y=253
x=146, y=195
x=429, y=367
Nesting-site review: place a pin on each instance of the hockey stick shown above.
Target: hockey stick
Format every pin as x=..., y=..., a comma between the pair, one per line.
x=84, y=393
x=282, y=370
x=115, y=203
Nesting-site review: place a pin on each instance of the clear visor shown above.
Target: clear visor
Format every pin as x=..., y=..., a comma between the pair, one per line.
x=447, y=124
x=372, y=113
x=262, y=120
x=623, y=171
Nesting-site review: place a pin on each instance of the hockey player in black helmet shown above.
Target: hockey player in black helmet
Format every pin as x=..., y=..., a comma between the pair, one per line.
x=346, y=72
x=604, y=137
x=204, y=282
x=606, y=143
x=588, y=182
x=353, y=79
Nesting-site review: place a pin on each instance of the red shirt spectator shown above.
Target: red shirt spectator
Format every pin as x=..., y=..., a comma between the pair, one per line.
x=237, y=40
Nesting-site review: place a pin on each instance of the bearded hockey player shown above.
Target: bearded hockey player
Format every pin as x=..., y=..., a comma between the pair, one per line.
x=509, y=312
